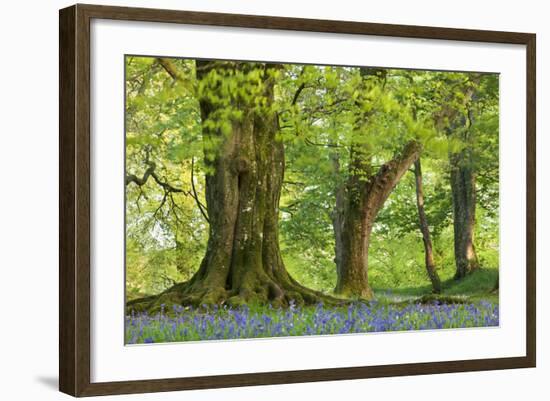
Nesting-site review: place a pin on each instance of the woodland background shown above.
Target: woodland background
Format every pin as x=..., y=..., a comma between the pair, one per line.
x=342, y=128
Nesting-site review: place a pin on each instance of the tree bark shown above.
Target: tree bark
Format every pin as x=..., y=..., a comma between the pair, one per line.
x=365, y=195
x=463, y=188
x=425, y=229
x=243, y=263
x=337, y=215
x=463, y=181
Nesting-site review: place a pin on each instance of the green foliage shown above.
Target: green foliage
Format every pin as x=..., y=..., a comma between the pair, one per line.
x=326, y=114
x=165, y=233
x=313, y=269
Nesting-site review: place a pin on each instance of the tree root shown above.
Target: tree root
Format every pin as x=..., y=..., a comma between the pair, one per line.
x=264, y=291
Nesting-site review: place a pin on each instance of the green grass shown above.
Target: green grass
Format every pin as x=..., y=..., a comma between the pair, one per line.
x=408, y=305
x=413, y=281
x=479, y=282
x=477, y=286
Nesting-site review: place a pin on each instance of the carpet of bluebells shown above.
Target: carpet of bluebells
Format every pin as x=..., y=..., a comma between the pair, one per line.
x=218, y=323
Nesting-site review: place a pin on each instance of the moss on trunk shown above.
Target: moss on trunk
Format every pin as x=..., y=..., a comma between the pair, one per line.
x=242, y=263
x=365, y=196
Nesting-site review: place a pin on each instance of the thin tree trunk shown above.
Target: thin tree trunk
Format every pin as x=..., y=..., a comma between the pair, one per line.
x=425, y=229
x=364, y=197
x=337, y=215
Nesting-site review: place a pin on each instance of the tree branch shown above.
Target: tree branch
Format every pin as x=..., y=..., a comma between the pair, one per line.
x=202, y=208
x=140, y=181
x=390, y=173
x=177, y=75
x=171, y=69
x=297, y=94
x=150, y=172
x=325, y=145
x=393, y=170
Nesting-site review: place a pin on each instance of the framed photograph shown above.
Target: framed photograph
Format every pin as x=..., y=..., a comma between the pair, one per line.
x=249, y=200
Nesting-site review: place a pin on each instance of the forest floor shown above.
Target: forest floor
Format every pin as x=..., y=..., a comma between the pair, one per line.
x=470, y=302
x=478, y=286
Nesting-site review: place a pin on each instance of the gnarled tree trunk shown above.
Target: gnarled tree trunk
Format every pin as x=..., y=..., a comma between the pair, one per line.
x=365, y=195
x=243, y=262
x=425, y=229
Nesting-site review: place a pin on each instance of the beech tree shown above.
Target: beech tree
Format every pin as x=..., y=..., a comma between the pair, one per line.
x=244, y=164
x=458, y=119
x=365, y=196
x=367, y=187
x=367, y=128
x=463, y=186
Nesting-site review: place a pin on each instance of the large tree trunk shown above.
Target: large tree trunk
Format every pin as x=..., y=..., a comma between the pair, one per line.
x=463, y=181
x=365, y=195
x=425, y=229
x=463, y=188
x=245, y=168
x=457, y=124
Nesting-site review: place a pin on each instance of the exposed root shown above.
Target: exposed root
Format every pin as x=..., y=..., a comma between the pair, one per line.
x=265, y=291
